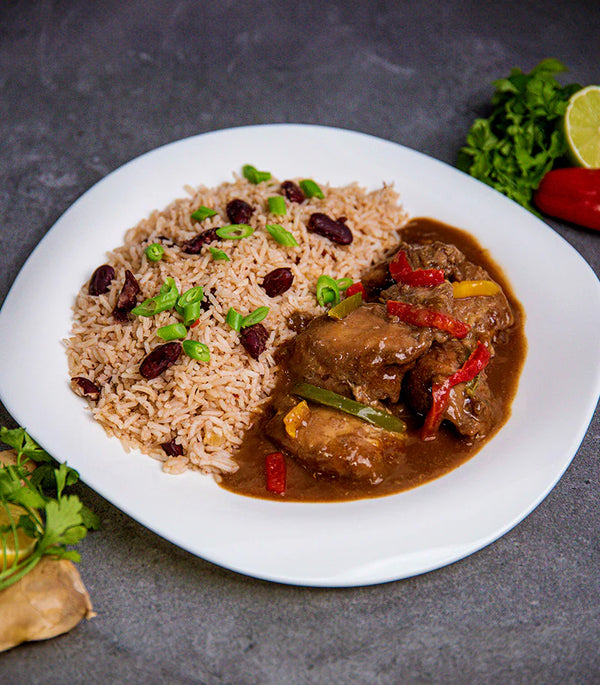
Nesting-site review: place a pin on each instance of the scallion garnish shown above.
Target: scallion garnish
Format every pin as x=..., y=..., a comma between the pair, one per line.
x=235, y=231
x=255, y=317
x=163, y=301
x=196, y=350
x=281, y=235
x=195, y=294
x=203, y=213
x=234, y=319
x=154, y=252
x=173, y=331
x=277, y=205
x=219, y=255
x=253, y=175
x=344, y=283
x=311, y=189
x=191, y=312
x=327, y=290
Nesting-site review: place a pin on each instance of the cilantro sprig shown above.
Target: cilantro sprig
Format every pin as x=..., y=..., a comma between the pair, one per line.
x=522, y=138
x=55, y=519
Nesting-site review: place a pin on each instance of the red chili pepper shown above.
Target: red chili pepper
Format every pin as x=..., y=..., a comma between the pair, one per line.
x=357, y=287
x=418, y=316
x=402, y=272
x=571, y=194
x=195, y=323
x=275, y=473
x=440, y=392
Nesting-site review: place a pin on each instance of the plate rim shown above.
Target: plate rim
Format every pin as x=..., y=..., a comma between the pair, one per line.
x=378, y=577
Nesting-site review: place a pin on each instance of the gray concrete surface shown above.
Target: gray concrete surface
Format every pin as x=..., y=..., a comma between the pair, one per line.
x=87, y=86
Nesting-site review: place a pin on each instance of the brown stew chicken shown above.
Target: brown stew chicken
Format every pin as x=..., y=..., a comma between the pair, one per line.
x=436, y=346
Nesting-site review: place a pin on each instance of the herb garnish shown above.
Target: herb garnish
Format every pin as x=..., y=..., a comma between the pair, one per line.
x=55, y=519
x=519, y=143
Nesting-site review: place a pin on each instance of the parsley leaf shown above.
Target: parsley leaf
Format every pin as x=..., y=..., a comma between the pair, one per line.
x=54, y=519
x=521, y=140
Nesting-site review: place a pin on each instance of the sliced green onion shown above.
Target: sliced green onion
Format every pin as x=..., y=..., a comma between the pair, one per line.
x=344, y=283
x=195, y=294
x=281, y=235
x=154, y=252
x=191, y=312
x=346, y=306
x=219, y=255
x=327, y=290
x=203, y=213
x=277, y=205
x=311, y=189
x=234, y=319
x=235, y=231
x=376, y=417
x=165, y=300
x=253, y=175
x=173, y=331
x=196, y=350
x=255, y=317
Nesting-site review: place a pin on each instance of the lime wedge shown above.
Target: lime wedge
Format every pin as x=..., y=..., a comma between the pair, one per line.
x=582, y=127
x=13, y=546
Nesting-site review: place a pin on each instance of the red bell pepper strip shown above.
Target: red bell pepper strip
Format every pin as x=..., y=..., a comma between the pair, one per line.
x=402, y=272
x=357, y=287
x=275, y=473
x=419, y=316
x=571, y=194
x=440, y=392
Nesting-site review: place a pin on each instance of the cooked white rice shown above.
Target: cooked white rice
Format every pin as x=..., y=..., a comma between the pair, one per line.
x=208, y=406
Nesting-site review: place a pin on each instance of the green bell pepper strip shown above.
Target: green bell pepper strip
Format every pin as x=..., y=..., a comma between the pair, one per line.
x=375, y=417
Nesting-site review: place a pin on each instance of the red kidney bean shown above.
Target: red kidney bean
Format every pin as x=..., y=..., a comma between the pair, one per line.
x=172, y=448
x=195, y=244
x=254, y=339
x=292, y=191
x=239, y=212
x=278, y=281
x=85, y=388
x=160, y=359
x=127, y=297
x=101, y=280
x=336, y=231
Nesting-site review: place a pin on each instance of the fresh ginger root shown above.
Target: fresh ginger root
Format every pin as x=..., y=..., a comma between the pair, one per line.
x=49, y=600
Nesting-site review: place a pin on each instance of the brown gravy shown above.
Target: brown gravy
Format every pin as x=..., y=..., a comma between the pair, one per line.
x=423, y=461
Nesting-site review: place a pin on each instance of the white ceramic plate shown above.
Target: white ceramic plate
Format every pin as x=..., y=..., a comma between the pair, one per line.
x=336, y=544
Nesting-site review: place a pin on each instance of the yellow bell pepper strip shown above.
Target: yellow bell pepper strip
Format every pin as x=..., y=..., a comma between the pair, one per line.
x=347, y=305
x=295, y=418
x=440, y=392
x=375, y=417
x=462, y=289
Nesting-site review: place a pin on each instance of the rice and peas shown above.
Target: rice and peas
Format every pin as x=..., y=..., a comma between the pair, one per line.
x=206, y=407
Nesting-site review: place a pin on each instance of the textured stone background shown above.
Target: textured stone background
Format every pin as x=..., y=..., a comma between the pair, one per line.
x=87, y=86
